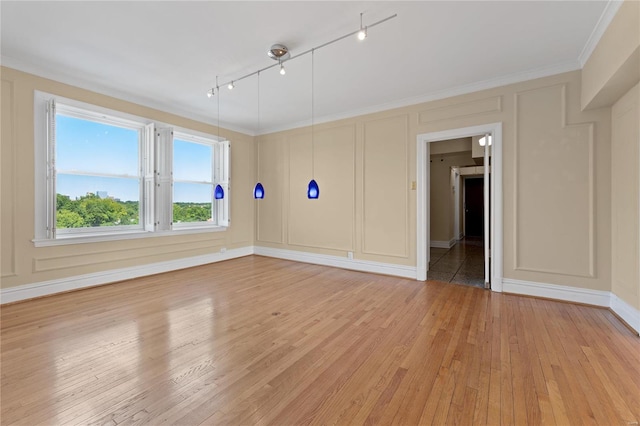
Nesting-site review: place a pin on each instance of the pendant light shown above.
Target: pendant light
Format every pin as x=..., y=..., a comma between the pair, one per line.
x=313, y=191
x=218, y=192
x=258, y=191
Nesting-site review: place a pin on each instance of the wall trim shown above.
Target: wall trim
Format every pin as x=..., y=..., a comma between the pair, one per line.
x=443, y=244
x=605, y=19
x=423, y=232
x=45, y=288
x=64, y=77
x=339, y=262
x=558, y=292
x=605, y=299
x=505, y=80
x=626, y=312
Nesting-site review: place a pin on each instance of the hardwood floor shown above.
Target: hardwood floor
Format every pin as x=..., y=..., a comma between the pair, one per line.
x=264, y=341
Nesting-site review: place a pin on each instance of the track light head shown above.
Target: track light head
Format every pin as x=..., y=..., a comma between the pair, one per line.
x=231, y=86
x=210, y=93
x=282, y=70
x=362, y=34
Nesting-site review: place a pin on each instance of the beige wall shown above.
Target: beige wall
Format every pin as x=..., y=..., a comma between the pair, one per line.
x=442, y=201
x=625, y=198
x=22, y=263
x=614, y=65
x=556, y=182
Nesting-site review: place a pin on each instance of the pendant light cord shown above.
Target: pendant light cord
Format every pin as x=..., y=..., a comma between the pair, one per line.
x=218, y=89
x=258, y=136
x=312, y=115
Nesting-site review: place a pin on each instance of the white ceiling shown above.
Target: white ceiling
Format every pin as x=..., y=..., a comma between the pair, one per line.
x=166, y=54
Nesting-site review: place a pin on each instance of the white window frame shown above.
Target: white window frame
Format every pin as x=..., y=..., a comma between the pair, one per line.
x=88, y=115
x=155, y=205
x=219, y=176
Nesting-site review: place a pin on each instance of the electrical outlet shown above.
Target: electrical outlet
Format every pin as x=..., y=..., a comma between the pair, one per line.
x=350, y=255
x=413, y=185
x=223, y=250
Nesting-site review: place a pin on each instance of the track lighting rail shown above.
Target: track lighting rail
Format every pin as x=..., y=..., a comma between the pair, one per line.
x=235, y=80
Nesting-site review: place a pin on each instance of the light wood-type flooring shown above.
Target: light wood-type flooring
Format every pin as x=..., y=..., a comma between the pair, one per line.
x=265, y=341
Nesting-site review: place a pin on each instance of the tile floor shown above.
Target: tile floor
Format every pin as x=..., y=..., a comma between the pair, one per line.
x=461, y=264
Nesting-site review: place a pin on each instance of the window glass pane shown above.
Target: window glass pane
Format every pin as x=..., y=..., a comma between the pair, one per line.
x=192, y=161
x=87, y=146
x=89, y=201
x=192, y=202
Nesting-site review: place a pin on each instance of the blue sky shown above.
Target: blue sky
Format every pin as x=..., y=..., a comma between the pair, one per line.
x=86, y=146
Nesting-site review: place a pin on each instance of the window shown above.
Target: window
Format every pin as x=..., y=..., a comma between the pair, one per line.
x=101, y=174
x=96, y=174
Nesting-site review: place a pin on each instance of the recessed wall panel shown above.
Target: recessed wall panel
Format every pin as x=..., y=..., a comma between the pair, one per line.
x=326, y=222
x=385, y=222
x=270, y=174
x=625, y=198
x=554, y=191
x=7, y=202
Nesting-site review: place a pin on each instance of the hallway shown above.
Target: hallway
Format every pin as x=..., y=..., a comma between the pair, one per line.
x=461, y=264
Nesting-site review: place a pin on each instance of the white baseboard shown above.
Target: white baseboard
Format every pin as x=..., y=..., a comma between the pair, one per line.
x=628, y=313
x=605, y=299
x=339, y=262
x=443, y=244
x=44, y=288
x=559, y=292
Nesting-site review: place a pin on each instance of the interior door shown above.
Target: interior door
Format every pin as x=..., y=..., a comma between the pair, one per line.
x=474, y=207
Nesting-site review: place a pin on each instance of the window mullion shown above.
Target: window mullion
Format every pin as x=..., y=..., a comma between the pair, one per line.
x=149, y=178
x=51, y=169
x=164, y=193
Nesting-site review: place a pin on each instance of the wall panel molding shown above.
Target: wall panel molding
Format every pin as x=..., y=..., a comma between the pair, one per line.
x=98, y=257
x=377, y=196
x=45, y=288
x=9, y=187
x=315, y=224
x=542, y=150
x=460, y=110
x=273, y=180
x=605, y=299
x=339, y=262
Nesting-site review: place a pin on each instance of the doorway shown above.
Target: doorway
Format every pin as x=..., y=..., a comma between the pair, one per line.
x=494, y=237
x=474, y=207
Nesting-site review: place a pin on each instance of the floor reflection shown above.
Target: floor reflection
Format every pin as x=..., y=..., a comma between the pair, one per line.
x=461, y=264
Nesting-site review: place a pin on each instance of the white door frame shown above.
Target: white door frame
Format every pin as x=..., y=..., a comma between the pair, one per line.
x=424, y=192
x=456, y=202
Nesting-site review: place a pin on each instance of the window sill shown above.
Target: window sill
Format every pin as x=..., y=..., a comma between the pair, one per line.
x=117, y=236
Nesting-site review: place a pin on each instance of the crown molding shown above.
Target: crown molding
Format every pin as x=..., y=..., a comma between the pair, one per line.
x=606, y=17
x=74, y=80
x=518, y=77
x=442, y=94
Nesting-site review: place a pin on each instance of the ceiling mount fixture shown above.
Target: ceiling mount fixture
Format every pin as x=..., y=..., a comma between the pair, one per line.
x=280, y=52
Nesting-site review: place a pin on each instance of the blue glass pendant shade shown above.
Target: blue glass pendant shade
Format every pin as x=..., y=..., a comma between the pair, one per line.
x=258, y=191
x=218, y=193
x=314, y=191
